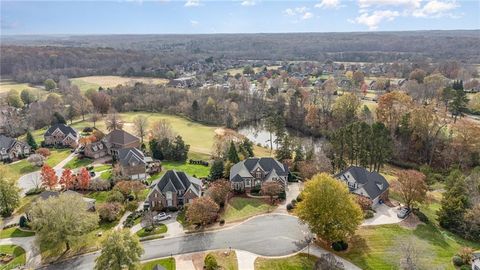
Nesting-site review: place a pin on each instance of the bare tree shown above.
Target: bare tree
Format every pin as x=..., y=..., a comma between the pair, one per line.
x=162, y=129
x=114, y=121
x=141, y=124
x=95, y=117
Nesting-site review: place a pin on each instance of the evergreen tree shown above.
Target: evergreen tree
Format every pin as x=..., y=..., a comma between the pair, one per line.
x=31, y=141
x=156, y=153
x=195, y=109
x=285, y=150
x=58, y=119
x=229, y=121
x=232, y=154
x=216, y=171
x=458, y=105
x=180, y=149
x=299, y=156
x=246, y=148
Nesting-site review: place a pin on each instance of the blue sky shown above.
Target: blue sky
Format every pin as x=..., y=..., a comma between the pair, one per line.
x=243, y=16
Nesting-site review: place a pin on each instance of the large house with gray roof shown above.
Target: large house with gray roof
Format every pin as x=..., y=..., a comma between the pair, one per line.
x=12, y=149
x=174, y=189
x=364, y=183
x=254, y=172
x=132, y=164
x=111, y=144
x=61, y=135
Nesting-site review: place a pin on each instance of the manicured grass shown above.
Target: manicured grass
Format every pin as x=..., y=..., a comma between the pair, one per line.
x=239, y=208
x=106, y=175
x=377, y=247
x=78, y=163
x=7, y=85
x=15, y=232
x=18, y=253
x=23, y=167
x=181, y=218
x=226, y=261
x=25, y=203
x=191, y=169
x=99, y=196
x=297, y=262
x=159, y=229
x=168, y=263
x=102, y=168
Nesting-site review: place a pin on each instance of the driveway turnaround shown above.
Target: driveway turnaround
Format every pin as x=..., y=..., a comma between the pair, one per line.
x=268, y=235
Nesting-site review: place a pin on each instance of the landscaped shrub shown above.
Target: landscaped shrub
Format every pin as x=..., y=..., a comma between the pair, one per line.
x=282, y=195
x=255, y=190
x=368, y=214
x=210, y=262
x=222, y=222
x=23, y=222
x=457, y=260
x=421, y=216
x=339, y=246
x=34, y=191
x=131, y=206
x=99, y=185
x=290, y=207
x=465, y=267
x=299, y=198
x=88, y=129
x=130, y=220
x=171, y=209
x=115, y=196
x=294, y=202
x=43, y=151
x=109, y=211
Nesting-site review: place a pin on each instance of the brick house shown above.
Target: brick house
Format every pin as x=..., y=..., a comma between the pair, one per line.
x=111, y=144
x=132, y=164
x=254, y=172
x=61, y=135
x=174, y=189
x=12, y=149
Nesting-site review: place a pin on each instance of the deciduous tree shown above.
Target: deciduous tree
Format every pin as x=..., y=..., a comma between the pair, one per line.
x=218, y=191
x=49, y=177
x=62, y=220
x=202, y=211
x=83, y=178
x=329, y=209
x=9, y=192
x=271, y=189
x=67, y=180
x=411, y=186
x=141, y=124
x=120, y=250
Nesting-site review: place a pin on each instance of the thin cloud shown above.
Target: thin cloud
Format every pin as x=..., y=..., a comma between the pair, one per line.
x=372, y=20
x=248, y=3
x=300, y=12
x=328, y=4
x=435, y=9
x=192, y=3
x=194, y=23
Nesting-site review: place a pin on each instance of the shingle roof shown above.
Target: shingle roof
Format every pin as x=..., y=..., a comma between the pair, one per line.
x=175, y=181
x=372, y=182
x=119, y=136
x=6, y=142
x=244, y=167
x=158, y=267
x=64, y=128
x=128, y=155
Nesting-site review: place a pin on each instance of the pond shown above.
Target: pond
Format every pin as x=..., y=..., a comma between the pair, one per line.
x=258, y=134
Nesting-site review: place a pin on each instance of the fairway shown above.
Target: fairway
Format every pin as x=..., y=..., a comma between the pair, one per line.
x=7, y=85
x=94, y=82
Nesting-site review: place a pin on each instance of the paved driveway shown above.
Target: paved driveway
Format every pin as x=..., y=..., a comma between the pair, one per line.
x=383, y=215
x=255, y=235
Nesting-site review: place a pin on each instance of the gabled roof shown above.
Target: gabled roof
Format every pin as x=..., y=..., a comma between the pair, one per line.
x=267, y=164
x=6, y=142
x=63, y=128
x=373, y=183
x=127, y=156
x=119, y=136
x=175, y=181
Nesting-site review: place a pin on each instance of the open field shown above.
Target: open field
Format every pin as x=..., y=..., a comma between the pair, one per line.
x=234, y=71
x=239, y=208
x=19, y=256
x=300, y=261
x=7, y=85
x=94, y=82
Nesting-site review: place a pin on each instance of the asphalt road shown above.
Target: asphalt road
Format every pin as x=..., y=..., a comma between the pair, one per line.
x=271, y=235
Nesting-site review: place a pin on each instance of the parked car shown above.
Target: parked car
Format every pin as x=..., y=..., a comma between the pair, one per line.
x=162, y=216
x=404, y=212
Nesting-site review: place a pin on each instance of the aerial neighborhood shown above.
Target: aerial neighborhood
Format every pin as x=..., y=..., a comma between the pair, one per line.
x=288, y=149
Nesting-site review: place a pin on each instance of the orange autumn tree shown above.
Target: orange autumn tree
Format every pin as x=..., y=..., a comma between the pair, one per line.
x=83, y=179
x=49, y=177
x=67, y=180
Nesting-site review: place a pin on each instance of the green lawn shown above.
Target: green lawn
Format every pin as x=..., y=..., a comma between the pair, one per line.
x=168, y=263
x=23, y=167
x=239, y=208
x=106, y=175
x=99, y=196
x=162, y=228
x=78, y=163
x=377, y=247
x=297, y=262
x=226, y=261
x=102, y=168
x=191, y=169
x=18, y=253
x=15, y=232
